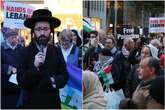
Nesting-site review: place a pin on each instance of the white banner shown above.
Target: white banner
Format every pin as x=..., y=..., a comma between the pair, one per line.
x=16, y=13
x=157, y=25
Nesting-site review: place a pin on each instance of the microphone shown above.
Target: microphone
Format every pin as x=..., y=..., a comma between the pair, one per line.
x=42, y=42
x=41, y=48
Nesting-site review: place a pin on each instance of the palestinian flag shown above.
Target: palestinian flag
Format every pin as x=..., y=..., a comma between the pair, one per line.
x=71, y=95
x=106, y=75
x=87, y=25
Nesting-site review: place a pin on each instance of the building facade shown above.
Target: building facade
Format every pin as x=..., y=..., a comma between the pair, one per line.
x=96, y=11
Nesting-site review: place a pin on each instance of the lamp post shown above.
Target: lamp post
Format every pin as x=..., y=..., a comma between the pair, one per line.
x=115, y=33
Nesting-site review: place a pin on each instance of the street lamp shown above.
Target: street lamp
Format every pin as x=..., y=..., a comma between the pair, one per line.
x=110, y=25
x=115, y=33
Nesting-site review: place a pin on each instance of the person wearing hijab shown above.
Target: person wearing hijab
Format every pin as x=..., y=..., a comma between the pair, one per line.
x=93, y=95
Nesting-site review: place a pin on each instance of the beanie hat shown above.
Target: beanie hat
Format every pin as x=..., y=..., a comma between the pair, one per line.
x=157, y=89
x=10, y=32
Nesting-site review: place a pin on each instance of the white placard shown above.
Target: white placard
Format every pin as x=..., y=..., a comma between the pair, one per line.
x=157, y=25
x=16, y=13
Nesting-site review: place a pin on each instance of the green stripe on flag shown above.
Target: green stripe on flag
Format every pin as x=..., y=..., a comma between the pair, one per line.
x=87, y=26
x=87, y=29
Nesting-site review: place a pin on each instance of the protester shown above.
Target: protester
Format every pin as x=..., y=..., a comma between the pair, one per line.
x=156, y=92
x=121, y=66
x=134, y=57
x=11, y=60
x=147, y=71
x=102, y=37
x=76, y=39
x=132, y=79
x=94, y=39
x=104, y=56
x=91, y=55
x=21, y=41
x=93, y=95
x=69, y=50
x=104, y=64
x=157, y=44
x=44, y=71
x=110, y=43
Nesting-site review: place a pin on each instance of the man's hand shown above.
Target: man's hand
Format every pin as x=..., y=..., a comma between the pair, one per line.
x=39, y=59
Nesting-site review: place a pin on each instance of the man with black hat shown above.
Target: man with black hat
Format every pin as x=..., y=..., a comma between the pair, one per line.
x=44, y=71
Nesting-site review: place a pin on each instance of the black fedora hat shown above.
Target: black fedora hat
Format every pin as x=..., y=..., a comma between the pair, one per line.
x=42, y=15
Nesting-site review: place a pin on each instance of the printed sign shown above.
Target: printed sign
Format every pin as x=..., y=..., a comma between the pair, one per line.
x=16, y=13
x=128, y=31
x=157, y=25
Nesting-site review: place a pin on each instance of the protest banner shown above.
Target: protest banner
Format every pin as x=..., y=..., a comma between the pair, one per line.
x=16, y=13
x=157, y=25
x=128, y=31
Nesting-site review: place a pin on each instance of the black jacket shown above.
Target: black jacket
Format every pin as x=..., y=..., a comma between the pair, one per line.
x=120, y=70
x=132, y=81
x=9, y=90
x=37, y=83
x=91, y=56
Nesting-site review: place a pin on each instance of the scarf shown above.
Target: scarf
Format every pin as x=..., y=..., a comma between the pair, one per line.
x=93, y=92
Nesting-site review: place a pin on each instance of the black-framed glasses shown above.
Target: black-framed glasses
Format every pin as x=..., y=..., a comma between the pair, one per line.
x=42, y=28
x=92, y=36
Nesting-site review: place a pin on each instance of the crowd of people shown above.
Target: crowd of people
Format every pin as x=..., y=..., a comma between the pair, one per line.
x=135, y=66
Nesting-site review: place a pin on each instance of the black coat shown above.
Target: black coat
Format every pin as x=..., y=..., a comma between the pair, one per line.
x=37, y=83
x=132, y=81
x=9, y=90
x=120, y=70
x=91, y=56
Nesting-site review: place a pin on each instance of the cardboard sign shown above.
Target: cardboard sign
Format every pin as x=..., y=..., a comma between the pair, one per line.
x=16, y=13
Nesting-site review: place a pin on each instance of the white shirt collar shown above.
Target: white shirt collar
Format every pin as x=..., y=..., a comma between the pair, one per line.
x=12, y=47
x=66, y=52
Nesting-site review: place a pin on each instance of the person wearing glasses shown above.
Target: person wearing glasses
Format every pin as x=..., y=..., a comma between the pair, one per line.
x=44, y=71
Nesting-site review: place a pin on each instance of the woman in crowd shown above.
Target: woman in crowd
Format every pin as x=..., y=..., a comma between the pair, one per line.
x=93, y=95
